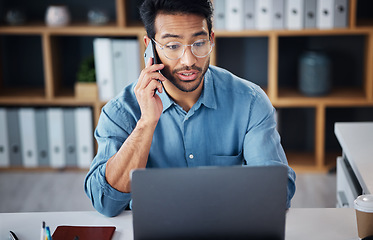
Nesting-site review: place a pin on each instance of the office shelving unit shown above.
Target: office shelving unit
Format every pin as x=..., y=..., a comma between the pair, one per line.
x=36, y=70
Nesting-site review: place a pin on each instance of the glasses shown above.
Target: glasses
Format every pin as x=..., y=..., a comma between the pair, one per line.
x=175, y=50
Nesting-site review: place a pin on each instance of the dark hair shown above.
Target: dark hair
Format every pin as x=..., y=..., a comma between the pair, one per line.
x=150, y=8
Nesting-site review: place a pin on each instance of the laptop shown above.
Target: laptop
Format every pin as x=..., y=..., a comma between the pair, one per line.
x=209, y=203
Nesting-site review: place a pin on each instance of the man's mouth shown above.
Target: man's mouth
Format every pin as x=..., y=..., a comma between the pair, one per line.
x=187, y=75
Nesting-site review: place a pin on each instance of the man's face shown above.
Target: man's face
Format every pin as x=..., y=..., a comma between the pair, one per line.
x=187, y=72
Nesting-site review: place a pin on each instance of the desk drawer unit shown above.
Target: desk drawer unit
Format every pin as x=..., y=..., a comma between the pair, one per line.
x=348, y=187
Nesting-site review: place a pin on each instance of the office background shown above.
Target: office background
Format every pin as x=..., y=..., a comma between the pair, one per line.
x=39, y=64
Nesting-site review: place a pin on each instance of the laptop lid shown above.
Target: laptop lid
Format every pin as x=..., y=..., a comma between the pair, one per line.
x=209, y=203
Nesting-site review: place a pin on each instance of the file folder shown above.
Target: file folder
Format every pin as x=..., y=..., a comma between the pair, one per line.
x=235, y=19
x=341, y=13
x=310, y=15
x=263, y=10
x=41, y=126
x=277, y=14
x=219, y=15
x=84, y=137
x=4, y=143
x=70, y=139
x=56, y=138
x=132, y=58
x=28, y=137
x=249, y=14
x=104, y=68
x=14, y=137
x=325, y=14
x=294, y=14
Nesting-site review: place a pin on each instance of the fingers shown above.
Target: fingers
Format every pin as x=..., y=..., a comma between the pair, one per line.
x=150, y=73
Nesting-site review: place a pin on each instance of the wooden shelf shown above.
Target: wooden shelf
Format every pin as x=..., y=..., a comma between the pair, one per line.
x=337, y=97
x=56, y=89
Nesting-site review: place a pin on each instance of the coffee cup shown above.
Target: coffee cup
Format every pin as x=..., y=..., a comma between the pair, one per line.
x=364, y=215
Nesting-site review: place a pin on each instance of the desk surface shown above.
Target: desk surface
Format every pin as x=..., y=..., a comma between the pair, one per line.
x=311, y=223
x=356, y=140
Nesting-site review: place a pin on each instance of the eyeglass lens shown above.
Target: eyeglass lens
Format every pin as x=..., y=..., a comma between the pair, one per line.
x=175, y=50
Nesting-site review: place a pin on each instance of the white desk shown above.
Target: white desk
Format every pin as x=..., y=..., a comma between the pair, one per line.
x=313, y=223
x=356, y=140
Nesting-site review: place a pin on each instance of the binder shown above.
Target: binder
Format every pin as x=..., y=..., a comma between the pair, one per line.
x=340, y=13
x=56, y=137
x=70, y=139
x=219, y=15
x=234, y=13
x=119, y=62
x=84, y=136
x=310, y=13
x=126, y=62
x=325, y=14
x=249, y=14
x=4, y=143
x=104, y=68
x=278, y=14
x=28, y=137
x=41, y=126
x=263, y=10
x=294, y=14
x=14, y=137
x=132, y=67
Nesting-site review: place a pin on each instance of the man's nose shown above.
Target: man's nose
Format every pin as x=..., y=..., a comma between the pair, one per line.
x=188, y=58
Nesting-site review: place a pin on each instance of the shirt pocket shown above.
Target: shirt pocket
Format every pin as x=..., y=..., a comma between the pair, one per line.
x=219, y=160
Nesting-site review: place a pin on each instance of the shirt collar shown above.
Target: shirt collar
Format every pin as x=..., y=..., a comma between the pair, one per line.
x=207, y=98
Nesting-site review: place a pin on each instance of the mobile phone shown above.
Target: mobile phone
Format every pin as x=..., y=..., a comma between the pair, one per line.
x=150, y=52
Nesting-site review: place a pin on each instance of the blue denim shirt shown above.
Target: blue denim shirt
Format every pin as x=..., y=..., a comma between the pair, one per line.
x=232, y=123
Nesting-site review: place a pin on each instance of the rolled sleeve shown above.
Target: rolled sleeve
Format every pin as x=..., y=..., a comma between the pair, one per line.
x=110, y=137
x=262, y=144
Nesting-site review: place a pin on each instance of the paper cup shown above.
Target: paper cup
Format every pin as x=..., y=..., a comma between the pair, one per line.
x=364, y=215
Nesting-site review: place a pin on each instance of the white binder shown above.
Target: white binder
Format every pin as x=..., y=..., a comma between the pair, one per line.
x=119, y=63
x=70, y=136
x=294, y=14
x=41, y=126
x=310, y=13
x=219, y=15
x=126, y=62
x=234, y=19
x=263, y=10
x=133, y=60
x=104, y=68
x=278, y=15
x=84, y=136
x=14, y=137
x=249, y=14
x=28, y=137
x=341, y=13
x=4, y=143
x=325, y=14
x=56, y=137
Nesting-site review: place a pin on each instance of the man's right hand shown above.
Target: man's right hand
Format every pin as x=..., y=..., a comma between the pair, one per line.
x=150, y=103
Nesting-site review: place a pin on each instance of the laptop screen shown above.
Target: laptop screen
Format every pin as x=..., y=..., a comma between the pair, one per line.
x=209, y=203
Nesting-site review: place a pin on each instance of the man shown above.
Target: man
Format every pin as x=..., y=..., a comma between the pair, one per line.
x=181, y=113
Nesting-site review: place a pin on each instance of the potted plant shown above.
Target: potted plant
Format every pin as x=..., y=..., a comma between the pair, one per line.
x=86, y=86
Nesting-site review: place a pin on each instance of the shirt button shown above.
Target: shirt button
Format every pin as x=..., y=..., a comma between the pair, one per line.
x=191, y=156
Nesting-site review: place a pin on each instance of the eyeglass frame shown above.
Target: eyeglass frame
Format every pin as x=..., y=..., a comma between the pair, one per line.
x=183, y=45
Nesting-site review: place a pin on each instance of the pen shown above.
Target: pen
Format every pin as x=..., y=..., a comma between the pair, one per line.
x=13, y=236
x=48, y=233
x=42, y=233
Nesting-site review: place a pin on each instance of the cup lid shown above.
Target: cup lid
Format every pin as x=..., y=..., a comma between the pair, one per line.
x=364, y=203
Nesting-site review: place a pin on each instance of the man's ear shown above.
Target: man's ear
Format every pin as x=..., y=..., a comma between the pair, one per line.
x=147, y=40
x=212, y=37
